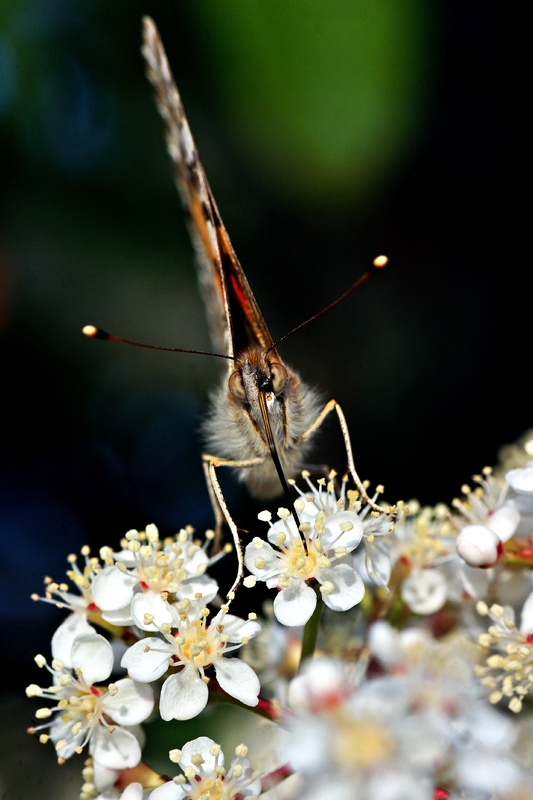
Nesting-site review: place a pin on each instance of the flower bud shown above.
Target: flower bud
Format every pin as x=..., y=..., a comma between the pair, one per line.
x=479, y=546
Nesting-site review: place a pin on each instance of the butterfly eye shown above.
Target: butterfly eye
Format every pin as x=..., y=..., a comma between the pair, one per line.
x=236, y=386
x=278, y=374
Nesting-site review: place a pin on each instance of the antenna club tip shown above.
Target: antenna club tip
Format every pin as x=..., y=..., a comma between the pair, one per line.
x=380, y=261
x=89, y=330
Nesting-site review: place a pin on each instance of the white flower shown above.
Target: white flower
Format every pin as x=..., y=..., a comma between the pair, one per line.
x=520, y=482
x=425, y=591
x=331, y=528
x=204, y=774
x=74, y=625
x=508, y=668
x=396, y=735
x=326, y=497
x=134, y=791
x=323, y=684
x=81, y=605
x=392, y=647
x=189, y=645
x=104, y=718
x=349, y=742
x=493, y=777
x=135, y=585
x=487, y=506
x=479, y=545
x=427, y=564
x=102, y=783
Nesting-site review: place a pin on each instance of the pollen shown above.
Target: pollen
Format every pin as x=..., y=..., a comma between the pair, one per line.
x=508, y=668
x=362, y=744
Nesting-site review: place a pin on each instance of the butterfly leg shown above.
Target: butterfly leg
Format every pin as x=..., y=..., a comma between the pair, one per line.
x=328, y=408
x=220, y=508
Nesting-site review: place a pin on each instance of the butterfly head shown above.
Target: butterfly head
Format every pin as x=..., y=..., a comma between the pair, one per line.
x=255, y=374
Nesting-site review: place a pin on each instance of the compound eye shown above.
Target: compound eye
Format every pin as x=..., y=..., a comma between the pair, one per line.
x=278, y=373
x=236, y=386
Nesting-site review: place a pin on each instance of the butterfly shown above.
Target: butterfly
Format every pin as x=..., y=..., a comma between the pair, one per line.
x=263, y=416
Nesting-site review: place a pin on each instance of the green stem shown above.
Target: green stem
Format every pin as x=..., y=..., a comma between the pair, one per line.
x=264, y=708
x=518, y=560
x=311, y=628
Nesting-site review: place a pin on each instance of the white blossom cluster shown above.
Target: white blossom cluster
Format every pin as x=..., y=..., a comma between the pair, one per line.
x=393, y=661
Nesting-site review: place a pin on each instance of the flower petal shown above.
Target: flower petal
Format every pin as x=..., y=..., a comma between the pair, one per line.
x=295, y=604
x=262, y=560
x=521, y=479
x=112, y=588
x=120, y=616
x=75, y=625
x=526, y=619
x=475, y=581
x=132, y=703
x=61, y=731
x=343, y=529
x=117, y=750
x=238, y=679
x=200, y=746
x=504, y=521
x=378, y=562
x=348, y=587
x=236, y=627
x=425, y=591
x=92, y=655
x=132, y=792
x=147, y=659
x=287, y=527
x=478, y=545
x=202, y=584
x=150, y=603
x=183, y=695
x=171, y=791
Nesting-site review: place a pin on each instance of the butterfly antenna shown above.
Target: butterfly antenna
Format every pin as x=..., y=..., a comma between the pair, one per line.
x=378, y=264
x=97, y=333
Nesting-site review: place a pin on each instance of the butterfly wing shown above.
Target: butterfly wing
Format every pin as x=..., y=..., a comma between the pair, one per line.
x=236, y=323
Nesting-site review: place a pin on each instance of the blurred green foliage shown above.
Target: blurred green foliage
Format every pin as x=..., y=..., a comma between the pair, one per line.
x=324, y=98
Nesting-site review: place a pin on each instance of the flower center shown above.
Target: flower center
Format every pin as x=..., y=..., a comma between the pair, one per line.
x=362, y=744
x=161, y=575
x=199, y=645
x=211, y=789
x=301, y=562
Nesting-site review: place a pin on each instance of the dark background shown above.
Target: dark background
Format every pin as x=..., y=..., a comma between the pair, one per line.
x=330, y=133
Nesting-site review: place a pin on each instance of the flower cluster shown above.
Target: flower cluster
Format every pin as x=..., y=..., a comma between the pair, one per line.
x=415, y=728
x=387, y=663
x=85, y=713
x=330, y=529
x=150, y=599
